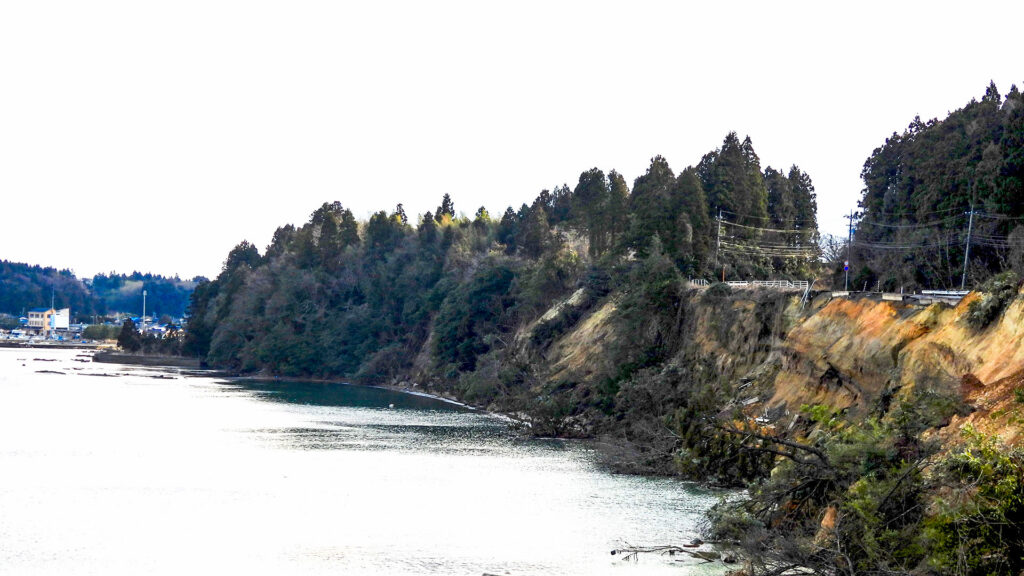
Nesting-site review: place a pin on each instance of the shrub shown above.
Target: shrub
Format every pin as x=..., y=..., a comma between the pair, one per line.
x=101, y=332
x=997, y=292
x=979, y=526
x=718, y=290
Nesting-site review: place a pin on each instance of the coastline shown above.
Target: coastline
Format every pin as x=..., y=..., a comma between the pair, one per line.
x=111, y=357
x=153, y=360
x=392, y=387
x=49, y=345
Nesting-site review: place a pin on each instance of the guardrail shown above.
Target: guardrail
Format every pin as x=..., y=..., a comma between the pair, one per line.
x=960, y=293
x=923, y=297
x=776, y=284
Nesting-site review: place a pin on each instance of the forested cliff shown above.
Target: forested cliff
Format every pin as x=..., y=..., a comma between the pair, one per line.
x=874, y=436
x=937, y=185
x=429, y=299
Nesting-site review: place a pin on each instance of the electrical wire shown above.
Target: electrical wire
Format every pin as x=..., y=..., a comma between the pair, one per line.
x=932, y=224
x=776, y=230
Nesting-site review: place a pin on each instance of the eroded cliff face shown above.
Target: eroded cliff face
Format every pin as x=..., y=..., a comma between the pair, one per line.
x=859, y=354
x=770, y=353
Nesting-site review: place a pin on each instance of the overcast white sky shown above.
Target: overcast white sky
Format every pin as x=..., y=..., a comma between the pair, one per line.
x=156, y=136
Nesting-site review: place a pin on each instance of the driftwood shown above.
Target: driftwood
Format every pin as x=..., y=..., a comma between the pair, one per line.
x=629, y=552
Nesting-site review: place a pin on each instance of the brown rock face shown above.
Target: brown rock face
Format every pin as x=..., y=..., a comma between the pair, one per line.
x=851, y=352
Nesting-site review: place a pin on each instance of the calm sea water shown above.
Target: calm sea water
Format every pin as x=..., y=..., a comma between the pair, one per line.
x=108, y=469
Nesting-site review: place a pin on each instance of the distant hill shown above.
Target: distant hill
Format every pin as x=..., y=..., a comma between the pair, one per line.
x=24, y=286
x=123, y=293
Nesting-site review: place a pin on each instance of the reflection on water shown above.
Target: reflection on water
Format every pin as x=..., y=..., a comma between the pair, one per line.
x=189, y=474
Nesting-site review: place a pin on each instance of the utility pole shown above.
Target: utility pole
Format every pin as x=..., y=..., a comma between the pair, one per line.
x=143, y=312
x=849, y=243
x=718, y=237
x=967, y=250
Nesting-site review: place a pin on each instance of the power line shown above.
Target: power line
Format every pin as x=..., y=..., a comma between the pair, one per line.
x=1000, y=217
x=747, y=217
x=905, y=214
x=748, y=247
x=776, y=230
x=932, y=224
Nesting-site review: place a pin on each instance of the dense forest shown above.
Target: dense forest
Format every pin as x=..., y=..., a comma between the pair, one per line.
x=928, y=190
x=123, y=293
x=340, y=298
x=24, y=286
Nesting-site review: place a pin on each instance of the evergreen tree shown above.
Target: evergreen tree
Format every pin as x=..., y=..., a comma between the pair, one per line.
x=244, y=254
x=400, y=214
x=651, y=206
x=590, y=201
x=383, y=233
x=348, y=229
x=427, y=230
x=481, y=219
x=507, y=230
x=561, y=205
x=755, y=194
x=731, y=177
x=805, y=206
x=447, y=208
x=281, y=242
x=616, y=210
x=129, y=339
x=781, y=201
x=691, y=238
x=534, y=235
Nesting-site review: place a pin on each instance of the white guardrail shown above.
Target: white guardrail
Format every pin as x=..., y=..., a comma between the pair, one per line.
x=776, y=284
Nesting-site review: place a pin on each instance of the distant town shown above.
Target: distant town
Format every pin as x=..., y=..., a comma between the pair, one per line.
x=54, y=326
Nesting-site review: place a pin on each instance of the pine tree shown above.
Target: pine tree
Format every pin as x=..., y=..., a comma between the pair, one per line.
x=589, y=201
x=348, y=229
x=651, y=206
x=805, y=206
x=561, y=205
x=507, y=230
x=732, y=179
x=755, y=194
x=481, y=219
x=617, y=209
x=447, y=208
x=533, y=237
x=690, y=241
x=129, y=339
x=781, y=208
x=400, y=214
x=427, y=230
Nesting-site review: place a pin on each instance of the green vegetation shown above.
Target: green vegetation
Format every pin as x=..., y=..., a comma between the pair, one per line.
x=336, y=297
x=123, y=293
x=978, y=524
x=477, y=307
x=996, y=293
x=101, y=332
x=129, y=339
x=23, y=286
x=877, y=497
x=920, y=187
